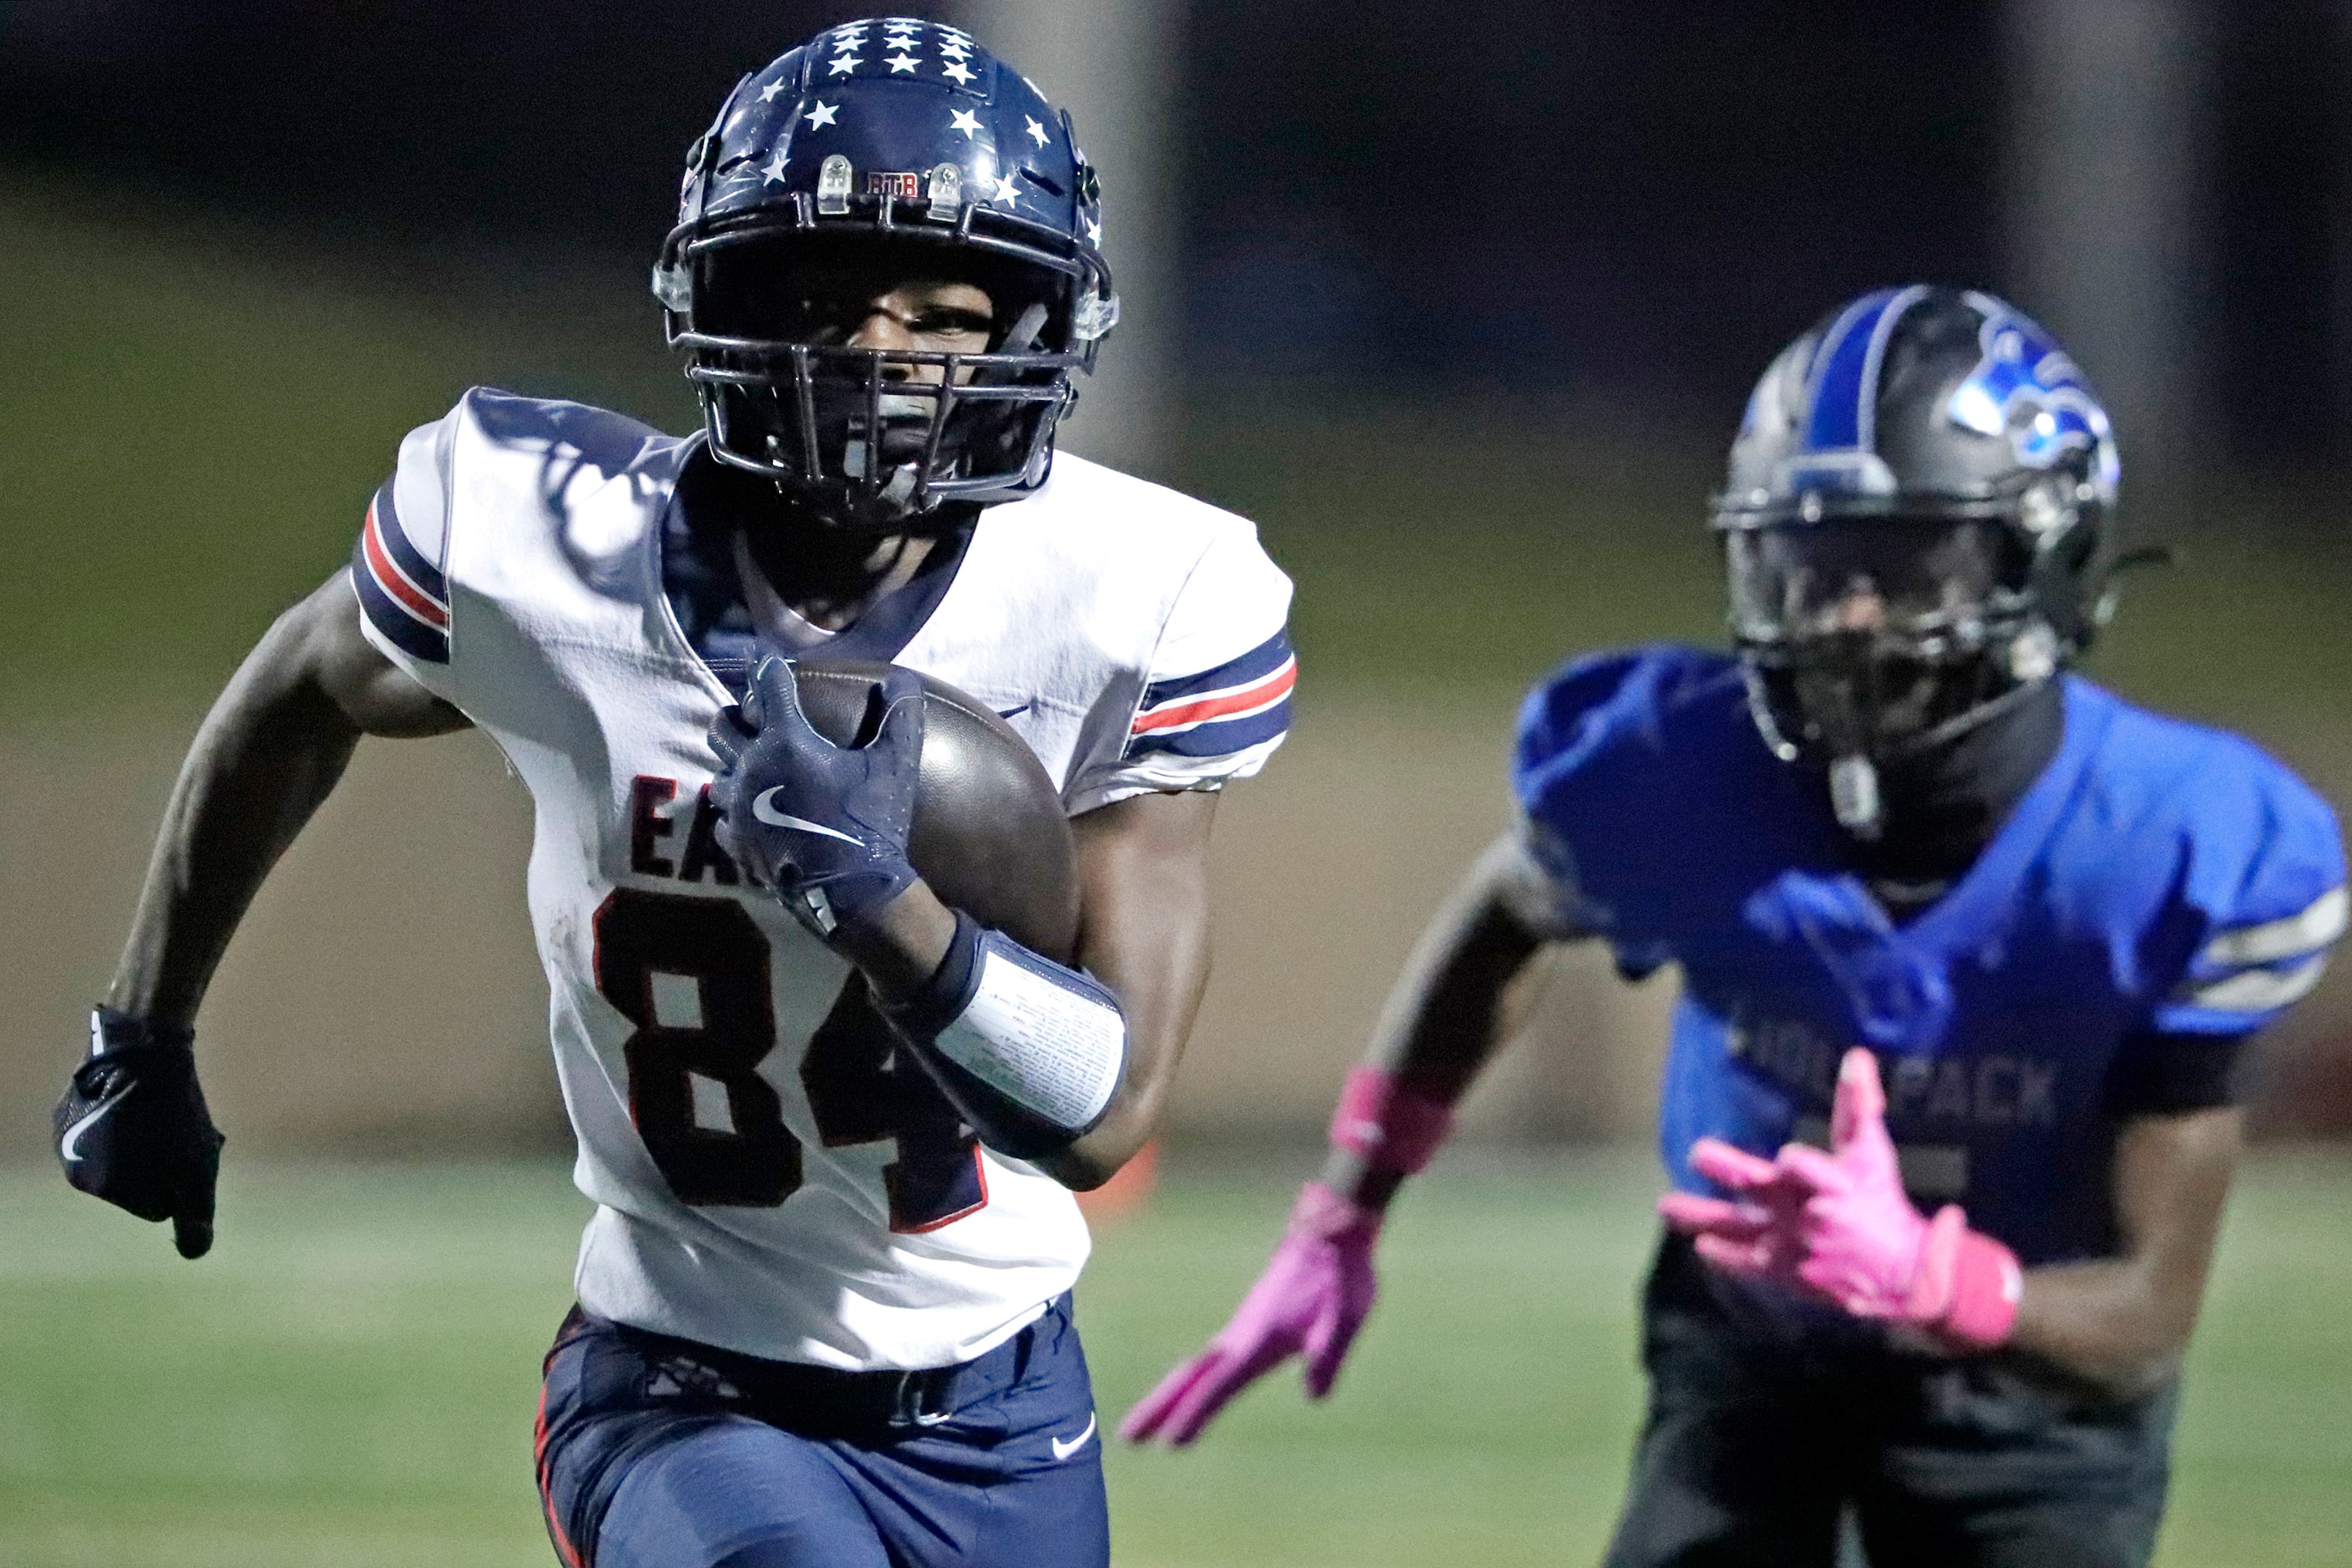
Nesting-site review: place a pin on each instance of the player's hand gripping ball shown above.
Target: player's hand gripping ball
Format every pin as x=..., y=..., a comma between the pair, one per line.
x=132, y=1128
x=1314, y=1296
x=823, y=825
x=986, y=833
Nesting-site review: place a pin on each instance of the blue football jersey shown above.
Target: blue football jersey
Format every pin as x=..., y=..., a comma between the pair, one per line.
x=2157, y=880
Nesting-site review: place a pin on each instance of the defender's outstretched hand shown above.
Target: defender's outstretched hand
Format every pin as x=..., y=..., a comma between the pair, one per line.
x=132, y=1128
x=1838, y=1226
x=1310, y=1301
x=824, y=826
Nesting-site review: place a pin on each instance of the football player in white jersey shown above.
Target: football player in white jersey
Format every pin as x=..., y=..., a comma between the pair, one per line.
x=822, y=1309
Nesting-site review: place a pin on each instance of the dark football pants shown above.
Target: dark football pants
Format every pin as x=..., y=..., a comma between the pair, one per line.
x=1766, y=1424
x=660, y=1453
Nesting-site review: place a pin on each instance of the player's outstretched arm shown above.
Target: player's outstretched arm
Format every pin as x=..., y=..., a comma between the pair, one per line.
x=132, y=1128
x=1442, y=1021
x=274, y=742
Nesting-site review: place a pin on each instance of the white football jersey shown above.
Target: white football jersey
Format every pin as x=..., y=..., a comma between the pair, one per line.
x=770, y=1177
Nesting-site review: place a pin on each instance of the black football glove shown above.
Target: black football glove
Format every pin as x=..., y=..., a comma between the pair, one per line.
x=132, y=1128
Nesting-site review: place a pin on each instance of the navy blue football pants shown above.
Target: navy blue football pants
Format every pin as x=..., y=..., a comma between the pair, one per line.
x=1767, y=1427
x=662, y=1453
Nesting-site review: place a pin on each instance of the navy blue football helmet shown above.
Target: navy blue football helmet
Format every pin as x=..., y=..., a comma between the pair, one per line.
x=887, y=143
x=1916, y=529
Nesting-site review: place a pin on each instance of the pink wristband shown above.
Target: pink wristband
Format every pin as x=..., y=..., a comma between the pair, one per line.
x=1392, y=1128
x=1968, y=1285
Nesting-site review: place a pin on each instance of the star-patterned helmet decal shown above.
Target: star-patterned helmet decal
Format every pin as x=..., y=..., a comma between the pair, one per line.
x=1013, y=150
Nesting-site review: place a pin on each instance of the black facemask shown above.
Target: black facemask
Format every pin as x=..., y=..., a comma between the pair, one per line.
x=1869, y=641
x=872, y=440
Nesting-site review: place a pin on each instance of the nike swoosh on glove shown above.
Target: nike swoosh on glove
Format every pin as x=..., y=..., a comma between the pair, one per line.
x=132, y=1128
x=1837, y=1227
x=824, y=826
x=1311, y=1300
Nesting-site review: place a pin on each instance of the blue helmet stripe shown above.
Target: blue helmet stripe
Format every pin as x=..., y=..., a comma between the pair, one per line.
x=1832, y=401
x=1843, y=412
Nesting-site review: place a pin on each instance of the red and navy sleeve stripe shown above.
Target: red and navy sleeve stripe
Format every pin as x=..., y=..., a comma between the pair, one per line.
x=402, y=594
x=1242, y=703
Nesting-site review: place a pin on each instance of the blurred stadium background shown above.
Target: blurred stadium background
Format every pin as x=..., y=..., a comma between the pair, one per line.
x=1460, y=302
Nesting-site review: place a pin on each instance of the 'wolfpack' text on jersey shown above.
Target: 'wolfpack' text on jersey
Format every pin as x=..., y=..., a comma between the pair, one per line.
x=770, y=1177
x=2159, y=883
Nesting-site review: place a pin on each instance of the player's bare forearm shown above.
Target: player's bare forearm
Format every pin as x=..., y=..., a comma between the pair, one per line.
x=271, y=749
x=1442, y=1018
x=1143, y=931
x=2123, y=1322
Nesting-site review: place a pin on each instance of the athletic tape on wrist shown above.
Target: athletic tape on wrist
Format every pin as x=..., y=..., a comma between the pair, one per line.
x=1050, y=1039
x=1392, y=1128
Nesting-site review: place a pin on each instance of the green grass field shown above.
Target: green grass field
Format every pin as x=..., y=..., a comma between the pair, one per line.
x=348, y=1379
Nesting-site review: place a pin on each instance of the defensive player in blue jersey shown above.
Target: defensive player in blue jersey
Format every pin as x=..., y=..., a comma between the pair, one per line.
x=1933, y=899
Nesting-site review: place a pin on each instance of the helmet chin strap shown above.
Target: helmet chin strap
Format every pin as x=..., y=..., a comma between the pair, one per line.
x=1853, y=796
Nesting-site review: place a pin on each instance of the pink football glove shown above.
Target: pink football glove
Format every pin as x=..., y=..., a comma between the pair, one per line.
x=1310, y=1300
x=1837, y=1227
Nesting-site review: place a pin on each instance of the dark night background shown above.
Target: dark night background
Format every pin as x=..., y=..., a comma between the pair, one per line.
x=1638, y=203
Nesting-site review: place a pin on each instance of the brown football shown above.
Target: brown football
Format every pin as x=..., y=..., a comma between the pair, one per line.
x=989, y=835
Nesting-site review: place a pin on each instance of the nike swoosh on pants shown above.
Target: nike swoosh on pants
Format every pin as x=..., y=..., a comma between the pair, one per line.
x=1064, y=1450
